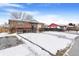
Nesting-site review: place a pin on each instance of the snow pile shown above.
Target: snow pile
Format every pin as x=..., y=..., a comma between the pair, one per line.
x=50, y=43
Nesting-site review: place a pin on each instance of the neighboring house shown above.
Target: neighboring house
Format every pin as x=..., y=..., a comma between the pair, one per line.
x=53, y=25
x=24, y=26
x=63, y=27
x=72, y=28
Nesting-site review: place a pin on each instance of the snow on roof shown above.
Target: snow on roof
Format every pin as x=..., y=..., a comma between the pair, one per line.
x=50, y=43
x=34, y=21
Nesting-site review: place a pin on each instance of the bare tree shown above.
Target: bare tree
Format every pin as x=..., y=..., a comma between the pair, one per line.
x=71, y=24
x=29, y=17
x=15, y=15
x=21, y=15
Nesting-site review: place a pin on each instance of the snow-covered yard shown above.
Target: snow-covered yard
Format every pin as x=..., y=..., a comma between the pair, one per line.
x=71, y=35
x=62, y=35
x=24, y=49
x=37, y=44
x=50, y=43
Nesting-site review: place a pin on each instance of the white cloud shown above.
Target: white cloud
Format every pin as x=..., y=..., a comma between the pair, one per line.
x=8, y=4
x=25, y=11
x=48, y=19
x=11, y=10
x=32, y=12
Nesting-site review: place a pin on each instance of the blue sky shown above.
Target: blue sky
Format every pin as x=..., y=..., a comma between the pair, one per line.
x=44, y=12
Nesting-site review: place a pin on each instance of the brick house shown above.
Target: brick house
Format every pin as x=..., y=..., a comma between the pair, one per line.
x=24, y=26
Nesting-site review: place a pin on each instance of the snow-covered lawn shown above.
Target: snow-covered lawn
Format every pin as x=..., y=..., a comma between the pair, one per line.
x=50, y=43
x=20, y=50
x=72, y=35
x=62, y=34
x=25, y=49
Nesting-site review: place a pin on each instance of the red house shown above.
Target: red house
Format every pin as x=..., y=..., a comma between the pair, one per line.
x=53, y=25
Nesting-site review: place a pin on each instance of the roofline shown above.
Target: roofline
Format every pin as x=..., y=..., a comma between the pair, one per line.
x=27, y=21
